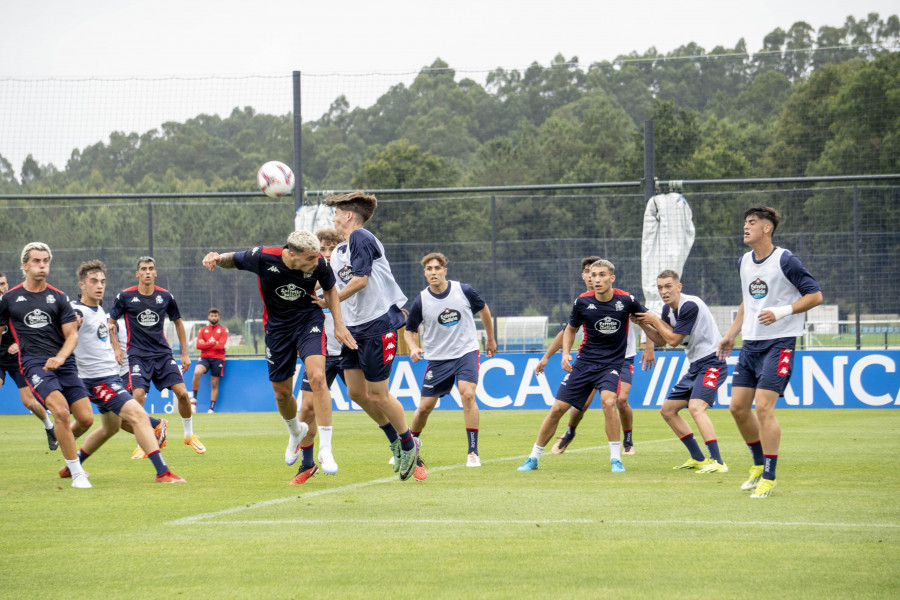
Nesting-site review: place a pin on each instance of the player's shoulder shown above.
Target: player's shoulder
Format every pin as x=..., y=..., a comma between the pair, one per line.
x=620, y=293
x=156, y=288
x=587, y=294
x=270, y=250
x=129, y=290
x=58, y=292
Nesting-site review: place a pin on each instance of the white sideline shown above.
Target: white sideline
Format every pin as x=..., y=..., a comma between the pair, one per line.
x=203, y=518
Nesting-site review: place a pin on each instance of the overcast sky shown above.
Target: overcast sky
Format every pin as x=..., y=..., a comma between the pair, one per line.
x=120, y=39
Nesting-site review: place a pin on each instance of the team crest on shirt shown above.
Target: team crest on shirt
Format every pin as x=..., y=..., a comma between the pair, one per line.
x=758, y=288
x=51, y=300
x=159, y=299
x=449, y=317
x=37, y=319
x=607, y=325
x=290, y=292
x=619, y=305
x=147, y=318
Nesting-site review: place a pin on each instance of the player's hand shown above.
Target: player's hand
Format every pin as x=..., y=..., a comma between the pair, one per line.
x=645, y=318
x=120, y=356
x=416, y=354
x=13, y=348
x=320, y=302
x=211, y=260
x=539, y=368
x=343, y=335
x=567, y=362
x=53, y=363
x=490, y=348
x=185, y=362
x=767, y=317
x=725, y=348
x=648, y=360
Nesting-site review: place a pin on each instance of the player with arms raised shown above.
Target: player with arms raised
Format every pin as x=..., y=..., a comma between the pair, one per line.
x=777, y=289
x=294, y=325
x=605, y=314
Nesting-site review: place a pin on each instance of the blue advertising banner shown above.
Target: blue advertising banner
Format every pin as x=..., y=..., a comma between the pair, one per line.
x=821, y=379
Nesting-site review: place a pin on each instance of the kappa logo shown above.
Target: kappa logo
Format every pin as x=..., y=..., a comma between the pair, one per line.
x=290, y=292
x=36, y=381
x=389, y=336
x=274, y=269
x=254, y=250
x=619, y=305
x=20, y=299
x=147, y=318
x=784, y=363
x=135, y=299
x=711, y=378
x=102, y=392
x=315, y=330
x=390, y=346
x=269, y=356
x=591, y=307
x=607, y=325
x=614, y=372
x=51, y=300
x=37, y=319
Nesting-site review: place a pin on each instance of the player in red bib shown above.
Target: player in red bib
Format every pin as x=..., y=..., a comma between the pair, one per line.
x=211, y=342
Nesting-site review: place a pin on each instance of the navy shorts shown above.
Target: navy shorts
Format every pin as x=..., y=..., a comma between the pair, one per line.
x=332, y=370
x=702, y=381
x=163, y=371
x=109, y=393
x=214, y=366
x=64, y=379
x=374, y=357
x=440, y=375
x=585, y=377
x=767, y=369
x=14, y=373
x=283, y=348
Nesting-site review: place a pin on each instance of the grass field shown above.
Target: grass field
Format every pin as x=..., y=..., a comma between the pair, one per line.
x=571, y=529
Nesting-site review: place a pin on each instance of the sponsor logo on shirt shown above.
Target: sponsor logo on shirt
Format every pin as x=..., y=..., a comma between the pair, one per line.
x=758, y=289
x=102, y=332
x=147, y=318
x=345, y=274
x=607, y=325
x=37, y=319
x=290, y=292
x=449, y=317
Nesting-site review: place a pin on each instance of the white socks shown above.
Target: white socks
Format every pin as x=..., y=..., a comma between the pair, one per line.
x=188, y=426
x=615, y=449
x=48, y=424
x=293, y=426
x=74, y=467
x=325, y=437
x=536, y=451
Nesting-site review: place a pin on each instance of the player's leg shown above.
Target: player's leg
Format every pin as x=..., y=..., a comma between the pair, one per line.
x=187, y=417
x=575, y=417
x=109, y=426
x=626, y=416
x=308, y=466
x=671, y=413
x=31, y=403
x=613, y=428
x=545, y=433
x=423, y=411
x=770, y=437
x=471, y=416
x=287, y=408
x=315, y=375
x=741, y=409
x=213, y=392
x=57, y=404
x=697, y=407
x=134, y=414
x=379, y=395
x=199, y=370
x=83, y=416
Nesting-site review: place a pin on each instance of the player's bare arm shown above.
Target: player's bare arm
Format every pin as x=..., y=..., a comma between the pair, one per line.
x=490, y=344
x=354, y=285
x=660, y=328
x=226, y=261
x=555, y=345
x=726, y=345
x=113, y=334
x=567, y=341
x=182, y=339
x=805, y=303
x=341, y=333
x=415, y=351
x=70, y=332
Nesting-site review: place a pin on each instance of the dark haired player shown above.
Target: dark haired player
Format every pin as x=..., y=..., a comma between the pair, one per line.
x=44, y=325
x=294, y=325
x=777, y=290
x=211, y=341
x=371, y=301
x=145, y=307
x=605, y=314
x=99, y=370
x=9, y=364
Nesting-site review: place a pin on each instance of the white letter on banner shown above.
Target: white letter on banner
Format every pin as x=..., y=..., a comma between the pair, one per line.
x=834, y=389
x=526, y=389
x=340, y=403
x=454, y=393
x=648, y=395
x=856, y=386
x=403, y=373
x=481, y=394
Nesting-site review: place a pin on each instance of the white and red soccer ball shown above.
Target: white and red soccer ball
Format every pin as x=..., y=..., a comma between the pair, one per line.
x=275, y=179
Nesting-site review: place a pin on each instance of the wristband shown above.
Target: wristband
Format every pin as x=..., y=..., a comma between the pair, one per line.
x=781, y=312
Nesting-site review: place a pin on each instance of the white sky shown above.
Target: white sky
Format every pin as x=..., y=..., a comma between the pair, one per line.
x=106, y=39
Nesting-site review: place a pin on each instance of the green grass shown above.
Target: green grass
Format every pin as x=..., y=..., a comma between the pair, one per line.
x=571, y=529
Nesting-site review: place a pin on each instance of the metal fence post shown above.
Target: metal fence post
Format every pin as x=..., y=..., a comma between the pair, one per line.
x=856, y=260
x=494, y=260
x=649, y=161
x=150, y=229
x=298, y=144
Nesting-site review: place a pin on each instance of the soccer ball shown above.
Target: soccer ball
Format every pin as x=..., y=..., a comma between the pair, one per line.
x=275, y=179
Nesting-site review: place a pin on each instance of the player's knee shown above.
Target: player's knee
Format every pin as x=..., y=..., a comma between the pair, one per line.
x=85, y=421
